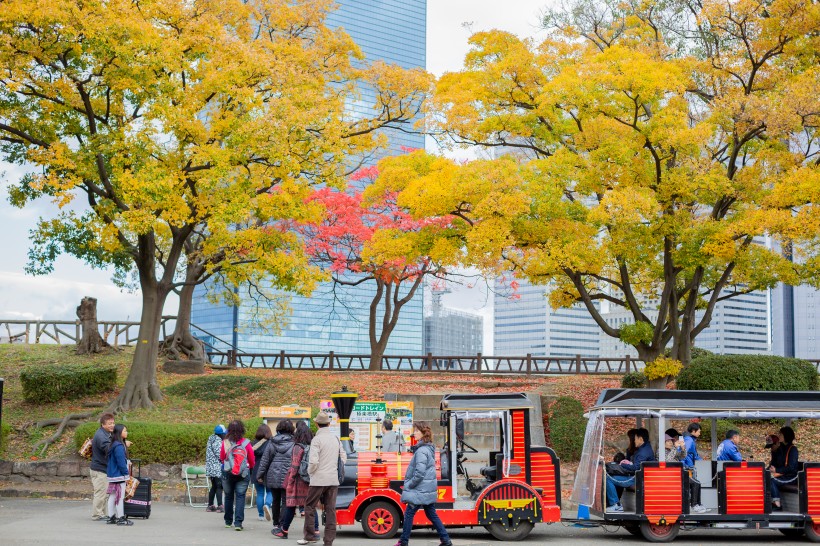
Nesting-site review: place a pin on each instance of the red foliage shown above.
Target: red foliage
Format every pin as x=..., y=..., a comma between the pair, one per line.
x=348, y=225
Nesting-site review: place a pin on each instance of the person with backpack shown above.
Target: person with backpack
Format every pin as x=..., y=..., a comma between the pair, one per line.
x=213, y=469
x=117, y=471
x=274, y=467
x=296, y=482
x=324, y=458
x=236, y=455
x=263, y=494
x=420, y=486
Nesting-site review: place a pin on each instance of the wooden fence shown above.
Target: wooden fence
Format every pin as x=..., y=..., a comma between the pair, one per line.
x=65, y=332
x=475, y=364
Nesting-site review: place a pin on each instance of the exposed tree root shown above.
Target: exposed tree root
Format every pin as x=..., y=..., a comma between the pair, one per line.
x=70, y=420
x=141, y=396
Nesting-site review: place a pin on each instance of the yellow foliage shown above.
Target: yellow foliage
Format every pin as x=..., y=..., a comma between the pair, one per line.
x=662, y=367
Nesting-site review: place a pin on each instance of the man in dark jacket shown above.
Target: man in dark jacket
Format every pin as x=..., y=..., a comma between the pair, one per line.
x=643, y=453
x=99, y=465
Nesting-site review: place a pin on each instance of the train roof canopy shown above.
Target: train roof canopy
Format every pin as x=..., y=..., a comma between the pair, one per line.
x=482, y=402
x=709, y=403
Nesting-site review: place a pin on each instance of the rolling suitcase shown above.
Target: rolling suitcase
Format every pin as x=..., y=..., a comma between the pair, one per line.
x=139, y=506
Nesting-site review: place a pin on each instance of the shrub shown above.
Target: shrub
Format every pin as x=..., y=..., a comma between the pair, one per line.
x=634, y=380
x=695, y=353
x=567, y=427
x=52, y=383
x=216, y=387
x=748, y=373
x=166, y=443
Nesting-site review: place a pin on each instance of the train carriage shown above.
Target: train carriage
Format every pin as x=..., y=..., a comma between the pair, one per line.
x=519, y=485
x=736, y=493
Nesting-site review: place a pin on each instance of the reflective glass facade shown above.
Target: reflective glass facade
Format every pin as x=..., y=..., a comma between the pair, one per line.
x=336, y=318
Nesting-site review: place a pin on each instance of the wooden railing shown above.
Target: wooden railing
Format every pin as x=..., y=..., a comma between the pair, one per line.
x=61, y=332
x=476, y=364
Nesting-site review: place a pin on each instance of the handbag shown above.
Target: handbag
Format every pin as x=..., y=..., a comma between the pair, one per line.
x=86, y=451
x=616, y=469
x=131, y=485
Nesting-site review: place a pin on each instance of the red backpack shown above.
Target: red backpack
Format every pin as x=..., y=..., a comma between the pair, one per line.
x=236, y=459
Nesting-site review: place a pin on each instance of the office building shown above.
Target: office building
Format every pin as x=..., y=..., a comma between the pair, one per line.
x=795, y=310
x=336, y=318
x=524, y=323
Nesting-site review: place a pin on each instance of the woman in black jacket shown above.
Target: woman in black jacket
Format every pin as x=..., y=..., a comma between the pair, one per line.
x=274, y=468
x=263, y=495
x=783, y=465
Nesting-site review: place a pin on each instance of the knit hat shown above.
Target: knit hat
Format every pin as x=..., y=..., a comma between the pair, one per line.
x=772, y=440
x=220, y=429
x=322, y=418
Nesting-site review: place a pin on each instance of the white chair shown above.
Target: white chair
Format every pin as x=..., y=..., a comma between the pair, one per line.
x=195, y=478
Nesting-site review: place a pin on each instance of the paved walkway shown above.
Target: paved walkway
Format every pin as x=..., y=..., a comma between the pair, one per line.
x=63, y=522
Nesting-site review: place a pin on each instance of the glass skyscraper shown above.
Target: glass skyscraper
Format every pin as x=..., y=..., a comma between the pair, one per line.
x=336, y=318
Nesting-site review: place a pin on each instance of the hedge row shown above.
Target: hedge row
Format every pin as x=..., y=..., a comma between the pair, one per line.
x=53, y=383
x=567, y=428
x=748, y=373
x=166, y=443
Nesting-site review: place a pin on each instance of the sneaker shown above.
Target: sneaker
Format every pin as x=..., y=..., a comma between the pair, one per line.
x=267, y=512
x=615, y=508
x=699, y=508
x=448, y=543
x=400, y=543
x=237, y=528
x=111, y=521
x=312, y=540
x=124, y=521
x=211, y=508
x=220, y=508
x=279, y=533
x=301, y=513
x=228, y=525
x=261, y=518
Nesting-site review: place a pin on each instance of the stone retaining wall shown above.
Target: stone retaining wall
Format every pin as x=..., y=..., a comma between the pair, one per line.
x=47, y=471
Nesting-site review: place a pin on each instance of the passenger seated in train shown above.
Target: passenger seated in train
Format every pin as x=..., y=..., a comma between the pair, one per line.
x=676, y=452
x=783, y=466
x=616, y=484
x=727, y=450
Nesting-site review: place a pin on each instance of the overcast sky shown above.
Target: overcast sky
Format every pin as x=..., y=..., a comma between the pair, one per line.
x=449, y=23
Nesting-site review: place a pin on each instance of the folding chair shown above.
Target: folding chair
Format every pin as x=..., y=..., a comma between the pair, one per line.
x=195, y=478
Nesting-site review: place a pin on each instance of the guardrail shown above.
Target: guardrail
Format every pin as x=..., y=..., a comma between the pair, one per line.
x=476, y=364
x=69, y=331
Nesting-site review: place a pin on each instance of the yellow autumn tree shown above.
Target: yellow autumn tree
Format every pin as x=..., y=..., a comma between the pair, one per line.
x=178, y=136
x=658, y=157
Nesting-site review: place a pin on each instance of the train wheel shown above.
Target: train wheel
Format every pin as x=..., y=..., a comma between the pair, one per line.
x=812, y=531
x=380, y=520
x=501, y=532
x=792, y=533
x=632, y=528
x=659, y=533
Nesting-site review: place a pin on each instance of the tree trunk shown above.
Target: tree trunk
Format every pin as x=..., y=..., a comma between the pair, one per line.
x=141, y=389
x=182, y=345
x=91, y=340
